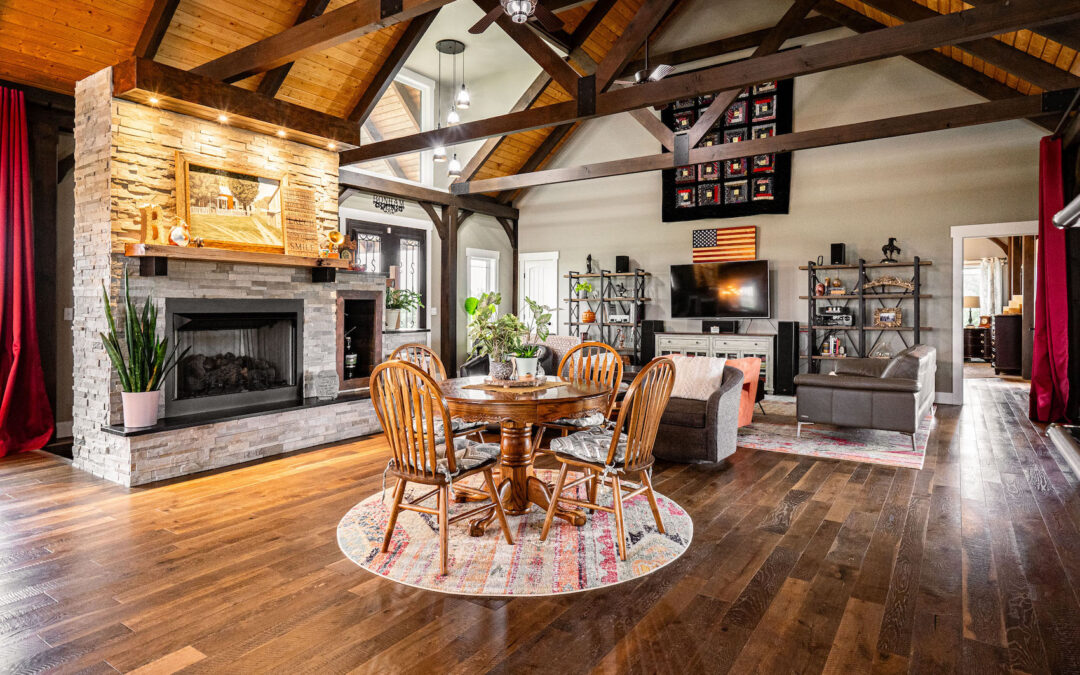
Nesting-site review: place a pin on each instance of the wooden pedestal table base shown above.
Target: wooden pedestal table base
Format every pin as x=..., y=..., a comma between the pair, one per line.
x=519, y=487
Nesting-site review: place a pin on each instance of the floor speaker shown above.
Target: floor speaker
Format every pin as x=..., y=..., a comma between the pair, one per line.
x=649, y=329
x=786, y=359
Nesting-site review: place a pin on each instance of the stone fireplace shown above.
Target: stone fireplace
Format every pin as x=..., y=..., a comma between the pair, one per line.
x=261, y=335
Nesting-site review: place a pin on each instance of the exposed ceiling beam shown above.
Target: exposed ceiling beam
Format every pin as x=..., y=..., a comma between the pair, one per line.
x=157, y=23
x=391, y=66
x=654, y=126
x=538, y=158
x=995, y=52
x=728, y=45
x=273, y=79
x=553, y=64
x=344, y=194
x=630, y=41
x=376, y=136
x=593, y=19
x=372, y=184
x=769, y=45
x=1066, y=33
x=344, y=24
x=908, y=38
x=934, y=61
x=411, y=110
x=950, y=118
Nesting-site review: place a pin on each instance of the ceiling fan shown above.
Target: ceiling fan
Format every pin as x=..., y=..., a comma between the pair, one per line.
x=519, y=11
x=642, y=76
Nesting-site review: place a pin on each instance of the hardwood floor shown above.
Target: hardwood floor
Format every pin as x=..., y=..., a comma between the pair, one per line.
x=797, y=565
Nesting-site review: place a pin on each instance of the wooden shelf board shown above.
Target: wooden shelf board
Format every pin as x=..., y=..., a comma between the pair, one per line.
x=225, y=255
x=597, y=275
x=868, y=296
x=922, y=263
x=837, y=358
x=894, y=328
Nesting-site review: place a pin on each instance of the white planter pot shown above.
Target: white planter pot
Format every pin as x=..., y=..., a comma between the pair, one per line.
x=393, y=318
x=140, y=408
x=526, y=366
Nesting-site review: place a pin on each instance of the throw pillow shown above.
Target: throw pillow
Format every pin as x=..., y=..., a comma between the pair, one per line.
x=697, y=377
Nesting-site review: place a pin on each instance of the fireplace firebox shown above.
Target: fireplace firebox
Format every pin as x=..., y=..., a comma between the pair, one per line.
x=242, y=353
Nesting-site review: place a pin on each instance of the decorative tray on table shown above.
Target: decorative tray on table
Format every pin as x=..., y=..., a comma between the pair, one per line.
x=537, y=381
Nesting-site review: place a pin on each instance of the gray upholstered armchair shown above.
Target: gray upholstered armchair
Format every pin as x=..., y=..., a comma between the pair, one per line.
x=702, y=432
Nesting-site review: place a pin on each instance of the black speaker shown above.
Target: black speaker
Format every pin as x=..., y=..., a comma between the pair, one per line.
x=723, y=326
x=786, y=357
x=838, y=255
x=649, y=329
x=622, y=263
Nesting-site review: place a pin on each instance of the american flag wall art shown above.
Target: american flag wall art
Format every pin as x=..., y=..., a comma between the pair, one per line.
x=725, y=244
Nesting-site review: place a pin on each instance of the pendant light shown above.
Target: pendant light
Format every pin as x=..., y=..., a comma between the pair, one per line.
x=452, y=117
x=454, y=168
x=439, y=154
x=463, y=99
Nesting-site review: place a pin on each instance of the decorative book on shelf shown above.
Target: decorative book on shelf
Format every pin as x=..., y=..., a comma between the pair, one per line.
x=732, y=188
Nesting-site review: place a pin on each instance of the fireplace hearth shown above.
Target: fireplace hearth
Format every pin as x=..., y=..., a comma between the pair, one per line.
x=242, y=353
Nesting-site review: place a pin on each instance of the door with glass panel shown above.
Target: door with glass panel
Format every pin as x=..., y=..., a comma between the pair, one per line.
x=399, y=253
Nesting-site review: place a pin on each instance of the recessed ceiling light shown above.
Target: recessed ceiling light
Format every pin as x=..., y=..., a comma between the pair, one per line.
x=223, y=118
x=281, y=133
x=331, y=146
x=154, y=100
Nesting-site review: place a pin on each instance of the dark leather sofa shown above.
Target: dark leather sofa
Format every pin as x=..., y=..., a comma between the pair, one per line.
x=702, y=432
x=891, y=395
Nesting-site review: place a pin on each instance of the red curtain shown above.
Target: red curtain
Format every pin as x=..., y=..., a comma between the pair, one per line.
x=1050, y=365
x=26, y=418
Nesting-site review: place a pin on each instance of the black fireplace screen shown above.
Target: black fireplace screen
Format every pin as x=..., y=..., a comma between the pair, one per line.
x=237, y=353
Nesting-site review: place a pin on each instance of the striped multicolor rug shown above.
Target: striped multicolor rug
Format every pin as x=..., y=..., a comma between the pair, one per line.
x=775, y=431
x=573, y=559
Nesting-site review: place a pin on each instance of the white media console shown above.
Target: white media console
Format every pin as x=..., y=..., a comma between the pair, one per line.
x=726, y=345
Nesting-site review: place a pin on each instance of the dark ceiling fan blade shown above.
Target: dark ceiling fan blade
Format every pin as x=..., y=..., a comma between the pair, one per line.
x=489, y=18
x=660, y=72
x=547, y=19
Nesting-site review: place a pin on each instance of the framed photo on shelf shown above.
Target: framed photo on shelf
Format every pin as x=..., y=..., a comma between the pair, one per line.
x=888, y=317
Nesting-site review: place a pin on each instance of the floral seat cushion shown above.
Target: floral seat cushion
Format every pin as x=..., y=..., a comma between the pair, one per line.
x=591, y=445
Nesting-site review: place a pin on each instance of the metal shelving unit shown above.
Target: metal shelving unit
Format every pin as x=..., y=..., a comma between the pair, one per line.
x=629, y=300
x=861, y=296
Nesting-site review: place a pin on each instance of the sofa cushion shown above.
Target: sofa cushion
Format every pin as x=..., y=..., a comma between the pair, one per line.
x=684, y=412
x=697, y=377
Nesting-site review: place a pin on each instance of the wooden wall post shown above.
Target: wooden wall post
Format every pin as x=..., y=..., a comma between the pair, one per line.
x=448, y=303
x=1027, y=321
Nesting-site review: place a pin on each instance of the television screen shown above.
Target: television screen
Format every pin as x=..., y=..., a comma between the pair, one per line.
x=725, y=290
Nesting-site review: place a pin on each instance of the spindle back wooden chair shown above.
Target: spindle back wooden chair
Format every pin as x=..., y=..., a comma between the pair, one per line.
x=407, y=402
x=626, y=452
x=593, y=362
x=427, y=360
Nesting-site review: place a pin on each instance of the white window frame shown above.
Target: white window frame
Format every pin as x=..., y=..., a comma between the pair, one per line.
x=482, y=254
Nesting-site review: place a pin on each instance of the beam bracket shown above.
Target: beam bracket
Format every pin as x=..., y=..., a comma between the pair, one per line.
x=682, y=148
x=389, y=8
x=1056, y=101
x=586, y=96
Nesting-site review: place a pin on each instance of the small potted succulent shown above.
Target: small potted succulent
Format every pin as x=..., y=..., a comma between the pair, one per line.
x=398, y=300
x=525, y=361
x=147, y=363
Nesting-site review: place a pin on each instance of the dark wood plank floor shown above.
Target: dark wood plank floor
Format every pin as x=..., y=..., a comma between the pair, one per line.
x=797, y=565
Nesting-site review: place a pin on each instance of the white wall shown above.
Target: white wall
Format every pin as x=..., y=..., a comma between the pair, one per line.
x=912, y=188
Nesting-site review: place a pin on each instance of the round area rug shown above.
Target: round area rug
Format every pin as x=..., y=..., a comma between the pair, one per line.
x=572, y=559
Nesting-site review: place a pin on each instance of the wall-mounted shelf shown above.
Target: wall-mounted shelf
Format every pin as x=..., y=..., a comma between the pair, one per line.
x=154, y=259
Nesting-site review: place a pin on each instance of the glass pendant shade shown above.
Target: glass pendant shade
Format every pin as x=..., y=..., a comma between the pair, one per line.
x=439, y=155
x=463, y=99
x=453, y=117
x=454, y=169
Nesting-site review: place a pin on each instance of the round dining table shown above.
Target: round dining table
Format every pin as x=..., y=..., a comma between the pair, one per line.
x=516, y=412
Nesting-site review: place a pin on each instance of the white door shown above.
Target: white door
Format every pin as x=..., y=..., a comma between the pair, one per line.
x=540, y=282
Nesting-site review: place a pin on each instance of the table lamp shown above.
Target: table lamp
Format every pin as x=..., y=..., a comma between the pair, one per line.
x=970, y=302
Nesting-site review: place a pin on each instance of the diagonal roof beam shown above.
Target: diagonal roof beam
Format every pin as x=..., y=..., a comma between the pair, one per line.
x=391, y=162
x=1018, y=107
x=391, y=66
x=153, y=32
x=995, y=52
x=537, y=159
x=1067, y=33
x=908, y=38
x=770, y=45
x=535, y=46
x=934, y=61
x=407, y=104
x=344, y=24
x=591, y=21
x=628, y=44
x=273, y=79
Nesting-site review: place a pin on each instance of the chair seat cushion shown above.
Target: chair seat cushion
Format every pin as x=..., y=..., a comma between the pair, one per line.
x=458, y=425
x=468, y=455
x=591, y=445
x=684, y=412
x=593, y=419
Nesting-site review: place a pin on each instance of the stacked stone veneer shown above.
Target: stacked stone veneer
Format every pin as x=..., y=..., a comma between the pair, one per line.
x=125, y=158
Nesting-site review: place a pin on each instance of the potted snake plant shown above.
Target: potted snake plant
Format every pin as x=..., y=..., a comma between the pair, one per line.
x=147, y=362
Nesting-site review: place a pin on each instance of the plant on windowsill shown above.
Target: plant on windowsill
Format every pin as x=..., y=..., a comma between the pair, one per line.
x=148, y=362
x=398, y=301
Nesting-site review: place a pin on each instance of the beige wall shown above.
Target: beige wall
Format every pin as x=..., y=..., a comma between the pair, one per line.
x=912, y=188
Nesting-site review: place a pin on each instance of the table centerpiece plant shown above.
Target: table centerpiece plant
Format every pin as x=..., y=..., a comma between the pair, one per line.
x=498, y=337
x=148, y=361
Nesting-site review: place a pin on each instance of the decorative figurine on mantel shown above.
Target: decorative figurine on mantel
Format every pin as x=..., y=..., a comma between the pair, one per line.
x=890, y=250
x=180, y=235
x=152, y=225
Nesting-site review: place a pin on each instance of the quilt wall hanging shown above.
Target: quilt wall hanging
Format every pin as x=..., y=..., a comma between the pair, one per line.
x=739, y=187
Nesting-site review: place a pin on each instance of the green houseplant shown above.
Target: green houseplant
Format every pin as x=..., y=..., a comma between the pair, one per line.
x=584, y=289
x=496, y=336
x=398, y=300
x=148, y=360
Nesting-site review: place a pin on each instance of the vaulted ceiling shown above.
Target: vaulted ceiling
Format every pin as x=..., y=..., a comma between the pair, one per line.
x=53, y=43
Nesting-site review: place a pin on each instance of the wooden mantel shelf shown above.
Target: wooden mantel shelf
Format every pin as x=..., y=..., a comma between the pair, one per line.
x=155, y=258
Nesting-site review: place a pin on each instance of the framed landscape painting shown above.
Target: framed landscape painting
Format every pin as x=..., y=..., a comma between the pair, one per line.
x=230, y=208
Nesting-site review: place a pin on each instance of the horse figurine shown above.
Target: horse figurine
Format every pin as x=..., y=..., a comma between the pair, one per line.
x=890, y=250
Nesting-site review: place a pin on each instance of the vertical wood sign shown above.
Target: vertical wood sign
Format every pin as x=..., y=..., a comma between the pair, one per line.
x=301, y=231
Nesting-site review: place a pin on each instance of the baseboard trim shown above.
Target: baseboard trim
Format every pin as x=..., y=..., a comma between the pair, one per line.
x=949, y=398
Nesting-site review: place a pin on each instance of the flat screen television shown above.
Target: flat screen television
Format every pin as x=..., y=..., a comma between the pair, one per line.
x=722, y=290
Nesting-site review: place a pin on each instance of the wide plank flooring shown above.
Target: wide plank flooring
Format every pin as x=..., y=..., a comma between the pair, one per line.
x=798, y=565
